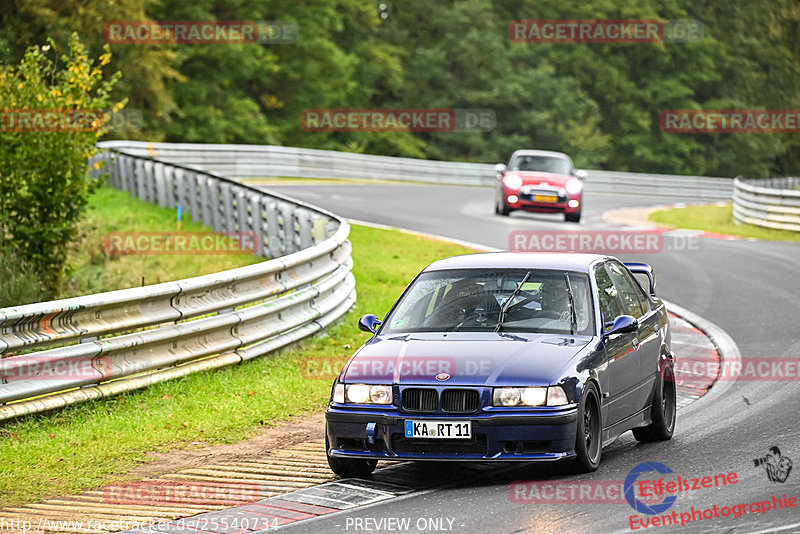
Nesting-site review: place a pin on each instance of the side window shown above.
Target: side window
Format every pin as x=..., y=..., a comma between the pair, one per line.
x=627, y=289
x=644, y=300
x=424, y=306
x=610, y=305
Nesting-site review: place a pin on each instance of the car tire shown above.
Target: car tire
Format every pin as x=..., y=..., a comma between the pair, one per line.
x=574, y=217
x=501, y=208
x=349, y=467
x=662, y=411
x=589, y=435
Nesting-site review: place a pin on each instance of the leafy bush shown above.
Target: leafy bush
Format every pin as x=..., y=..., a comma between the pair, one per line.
x=44, y=183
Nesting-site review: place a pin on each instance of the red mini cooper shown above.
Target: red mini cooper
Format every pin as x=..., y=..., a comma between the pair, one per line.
x=540, y=181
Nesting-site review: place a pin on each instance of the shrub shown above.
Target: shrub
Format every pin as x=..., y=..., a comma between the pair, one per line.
x=51, y=115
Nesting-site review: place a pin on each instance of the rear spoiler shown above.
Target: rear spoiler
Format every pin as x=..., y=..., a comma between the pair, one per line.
x=645, y=269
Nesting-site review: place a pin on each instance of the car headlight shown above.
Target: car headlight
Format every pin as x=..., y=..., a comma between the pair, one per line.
x=512, y=181
x=574, y=186
x=366, y=394
x=338, y=392
x=507, y=396
x=380, y=394
x=556, y=396
x=533, y=396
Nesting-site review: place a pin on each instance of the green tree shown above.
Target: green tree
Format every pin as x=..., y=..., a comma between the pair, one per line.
x=599, y=102
x=44, y=183
x=147, y=69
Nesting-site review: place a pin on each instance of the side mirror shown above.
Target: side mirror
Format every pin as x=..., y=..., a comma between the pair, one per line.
x=500, y=169
x=581, y=174
x=624, y=324
x=369, y=323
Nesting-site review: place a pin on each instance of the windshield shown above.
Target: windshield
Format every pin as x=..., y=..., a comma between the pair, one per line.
x=541, y=164
x=472, y=299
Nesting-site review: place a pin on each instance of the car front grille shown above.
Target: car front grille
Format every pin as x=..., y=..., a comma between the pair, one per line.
x=476, y=445
x=460, y=400
x=452, y=400
x=419, y=399
x=528, y=194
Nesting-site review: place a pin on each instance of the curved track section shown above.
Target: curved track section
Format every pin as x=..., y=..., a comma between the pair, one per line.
x=749, y=289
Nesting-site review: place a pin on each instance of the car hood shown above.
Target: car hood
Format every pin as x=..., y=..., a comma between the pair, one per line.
x=484, y=358
x=536, y=178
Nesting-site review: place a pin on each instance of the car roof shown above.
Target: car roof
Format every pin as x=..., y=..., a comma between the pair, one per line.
x=539, y=153
x=563, y=261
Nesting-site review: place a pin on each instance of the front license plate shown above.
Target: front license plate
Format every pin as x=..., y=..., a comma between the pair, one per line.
x=545, y=198
x=439, y=429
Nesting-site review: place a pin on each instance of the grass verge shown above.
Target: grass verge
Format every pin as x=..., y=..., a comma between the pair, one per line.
x=89, y=444
x=93, y=270
x=719, y=219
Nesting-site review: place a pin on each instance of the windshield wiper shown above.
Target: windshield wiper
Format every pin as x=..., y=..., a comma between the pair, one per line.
x=573, y=326
x=508, y=302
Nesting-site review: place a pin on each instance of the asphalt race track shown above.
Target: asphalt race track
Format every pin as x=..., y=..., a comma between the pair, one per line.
x=750, y=289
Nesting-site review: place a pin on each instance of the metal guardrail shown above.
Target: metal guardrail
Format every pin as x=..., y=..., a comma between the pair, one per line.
x=123, y=340
x=266, y=161
x=771, y=203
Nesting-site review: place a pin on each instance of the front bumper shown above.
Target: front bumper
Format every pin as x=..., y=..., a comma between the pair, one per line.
x=527, y=199
x=527, y=436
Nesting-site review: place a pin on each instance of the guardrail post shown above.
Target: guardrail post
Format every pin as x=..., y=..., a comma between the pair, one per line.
x=240, y=222
x=115, y=171
x=207, y=196
x=171, y=186
x=288, y=228
x=160, y=183
x=274, y=236
x=225, y=211
x=304, y=224
x=148, y=182
x=179, y=189
x=138, y=179
x=319, y=232
x=256, y=223
x=127, y=174
x=193, y=189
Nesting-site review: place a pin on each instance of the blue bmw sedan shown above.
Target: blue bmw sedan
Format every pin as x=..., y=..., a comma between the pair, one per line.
x=507, y=356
